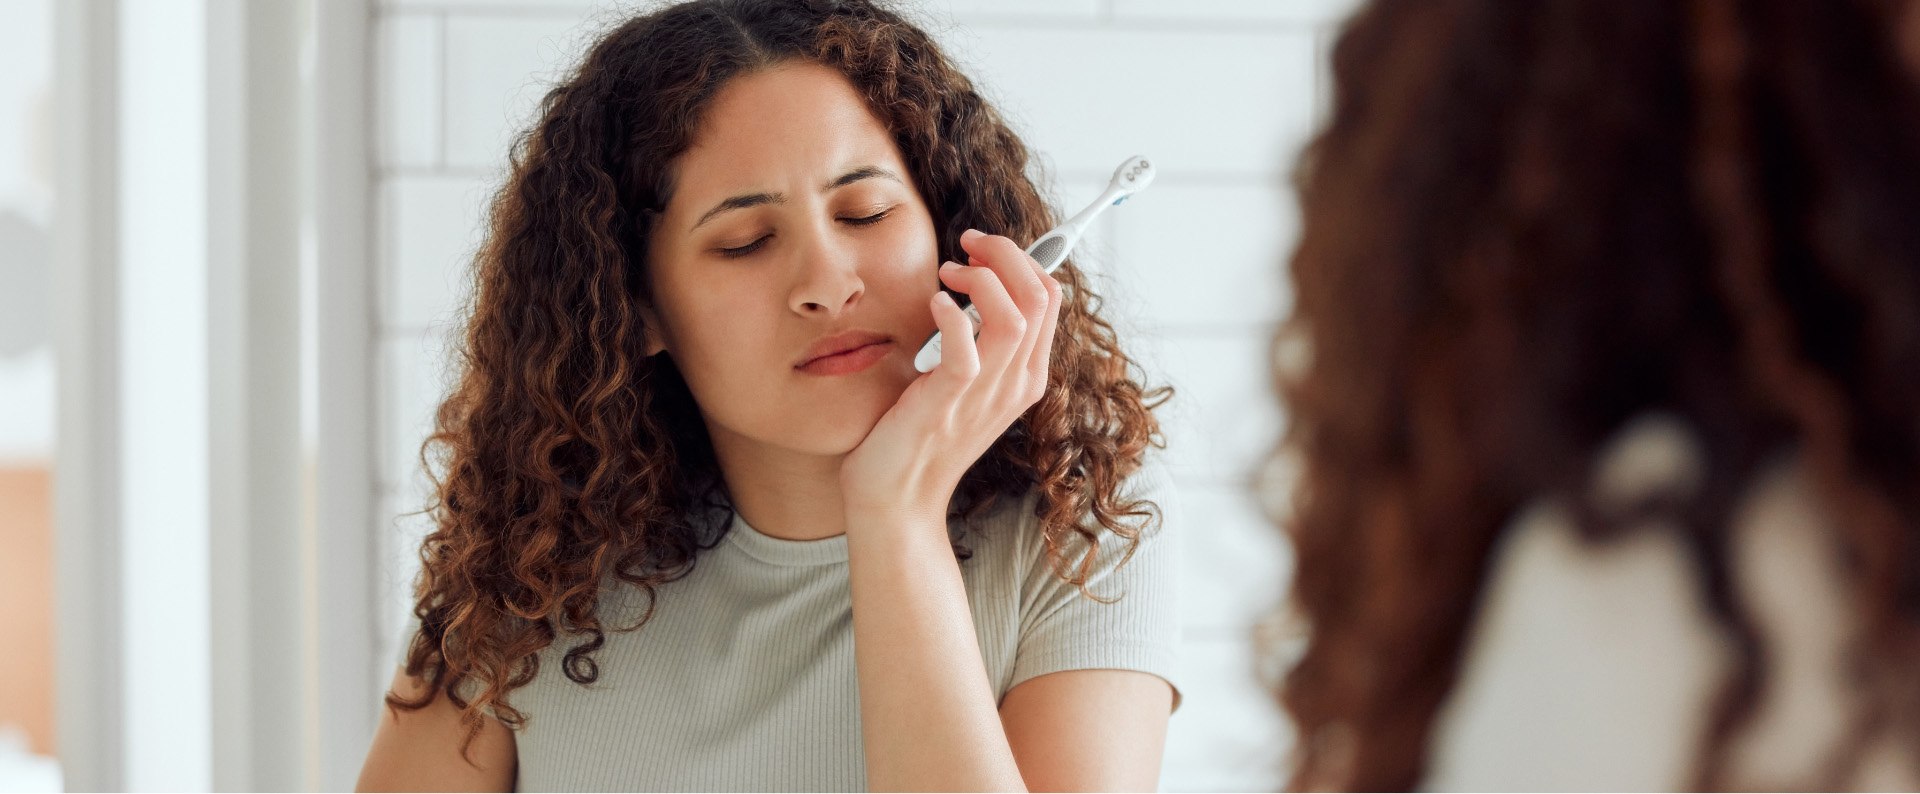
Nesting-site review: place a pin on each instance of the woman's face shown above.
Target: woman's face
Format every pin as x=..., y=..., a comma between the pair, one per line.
x=792, y=218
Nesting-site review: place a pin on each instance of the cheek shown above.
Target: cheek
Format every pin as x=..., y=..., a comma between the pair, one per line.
x=725, y=328
x=709, y=329
x=912, y=252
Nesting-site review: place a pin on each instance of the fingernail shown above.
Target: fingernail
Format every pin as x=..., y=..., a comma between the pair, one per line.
x=945, y=265
x=945, y=298
x=971, y=234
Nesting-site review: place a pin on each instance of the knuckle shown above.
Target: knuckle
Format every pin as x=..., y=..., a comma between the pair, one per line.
x=1039, y=294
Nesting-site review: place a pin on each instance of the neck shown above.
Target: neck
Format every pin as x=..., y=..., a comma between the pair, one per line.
x=780, y=492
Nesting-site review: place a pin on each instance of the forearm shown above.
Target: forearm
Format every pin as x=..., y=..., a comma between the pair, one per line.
x=928, y=716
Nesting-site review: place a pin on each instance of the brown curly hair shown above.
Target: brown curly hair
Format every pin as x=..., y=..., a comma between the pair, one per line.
x=565, y=459
x=1528, y=223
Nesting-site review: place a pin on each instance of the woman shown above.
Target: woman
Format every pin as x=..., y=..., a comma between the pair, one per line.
x=1605, y=390
x=681, y=546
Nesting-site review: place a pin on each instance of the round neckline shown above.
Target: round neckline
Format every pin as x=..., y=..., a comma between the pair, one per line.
x=781, y=551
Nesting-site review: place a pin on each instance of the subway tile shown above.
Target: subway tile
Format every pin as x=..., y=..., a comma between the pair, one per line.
x=1306, y=12
x=1238, y=565
x=1228, y=734
x=1223, y=420
x=1204, y=255
x=408, y=91
x=399, y=529
x=1251, y=93
x=498, y=70
x=931, y=13
x=504, y=6
x=1214, y=102
x=416, y=373
x=431, y=228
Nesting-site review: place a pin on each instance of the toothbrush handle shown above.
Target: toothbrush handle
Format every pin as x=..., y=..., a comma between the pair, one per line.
x=929, y=355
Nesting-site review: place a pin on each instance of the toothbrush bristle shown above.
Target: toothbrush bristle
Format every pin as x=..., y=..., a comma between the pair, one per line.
x=1049, y=252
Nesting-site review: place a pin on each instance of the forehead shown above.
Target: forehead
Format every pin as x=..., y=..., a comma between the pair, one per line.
x=795, y=121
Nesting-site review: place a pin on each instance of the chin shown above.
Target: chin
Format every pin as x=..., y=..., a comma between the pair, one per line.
x=827, y=440
x=839, y=427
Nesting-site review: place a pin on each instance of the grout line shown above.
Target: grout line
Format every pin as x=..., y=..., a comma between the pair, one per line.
x=1211, y=331
x=396, y=172
x=1110, y=21
x=440, y=157
x=1248, y=178
x=573, y=11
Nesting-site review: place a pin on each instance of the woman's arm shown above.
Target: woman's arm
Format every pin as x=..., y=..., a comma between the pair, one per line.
x=420, y=750
x=927, y=713
x=1089, y=730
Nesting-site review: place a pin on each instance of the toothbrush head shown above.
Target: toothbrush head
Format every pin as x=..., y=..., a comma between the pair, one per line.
x=1131, y=177
x=1049, y=251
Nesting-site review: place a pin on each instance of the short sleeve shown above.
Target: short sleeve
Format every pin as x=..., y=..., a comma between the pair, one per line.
x=1137, y=628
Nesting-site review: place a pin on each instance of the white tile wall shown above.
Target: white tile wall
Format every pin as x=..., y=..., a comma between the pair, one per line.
x=498, y=68
x=1206, y=251
x=402, y=522
x=1236, y=566
x=414, y=373
x=571, y=8
x=1222, y=418
x=430, y=226
x=984, y=11
x=1239, y=12
x=1227, y=735
x=1214, y=102
x=1220, y=93
x=408, y=117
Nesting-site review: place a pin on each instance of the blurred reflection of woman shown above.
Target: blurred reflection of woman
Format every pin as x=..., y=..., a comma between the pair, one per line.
x=1604, y=393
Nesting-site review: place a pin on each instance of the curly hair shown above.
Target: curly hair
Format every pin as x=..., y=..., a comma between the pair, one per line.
x=564, y=459
x=1527, y=224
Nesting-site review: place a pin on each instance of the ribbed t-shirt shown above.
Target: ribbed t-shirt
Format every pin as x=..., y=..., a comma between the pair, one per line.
x=743, y=680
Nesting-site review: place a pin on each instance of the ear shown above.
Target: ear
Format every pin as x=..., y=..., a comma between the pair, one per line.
x=654, y=334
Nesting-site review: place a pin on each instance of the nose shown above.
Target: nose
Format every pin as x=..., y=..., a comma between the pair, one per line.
x=829, y=278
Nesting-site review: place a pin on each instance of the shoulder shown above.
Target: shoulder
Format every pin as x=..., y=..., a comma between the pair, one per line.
x=1146, y=503
x=1600, y=661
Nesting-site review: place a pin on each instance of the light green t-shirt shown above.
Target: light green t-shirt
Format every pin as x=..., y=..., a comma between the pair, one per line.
x=743, y=680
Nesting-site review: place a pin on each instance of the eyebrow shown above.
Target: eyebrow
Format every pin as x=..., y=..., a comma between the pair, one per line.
x=746, y=200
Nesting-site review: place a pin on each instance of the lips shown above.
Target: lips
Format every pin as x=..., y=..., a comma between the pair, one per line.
x=842, y=342
x=852, y=361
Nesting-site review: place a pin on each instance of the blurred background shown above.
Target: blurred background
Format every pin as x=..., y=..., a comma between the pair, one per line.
x=233, y=241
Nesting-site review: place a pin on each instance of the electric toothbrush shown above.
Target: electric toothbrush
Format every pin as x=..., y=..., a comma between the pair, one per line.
x=1052, y=248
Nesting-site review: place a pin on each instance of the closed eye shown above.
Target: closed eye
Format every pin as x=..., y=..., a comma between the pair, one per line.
x=744, y=250
x=869, y=220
